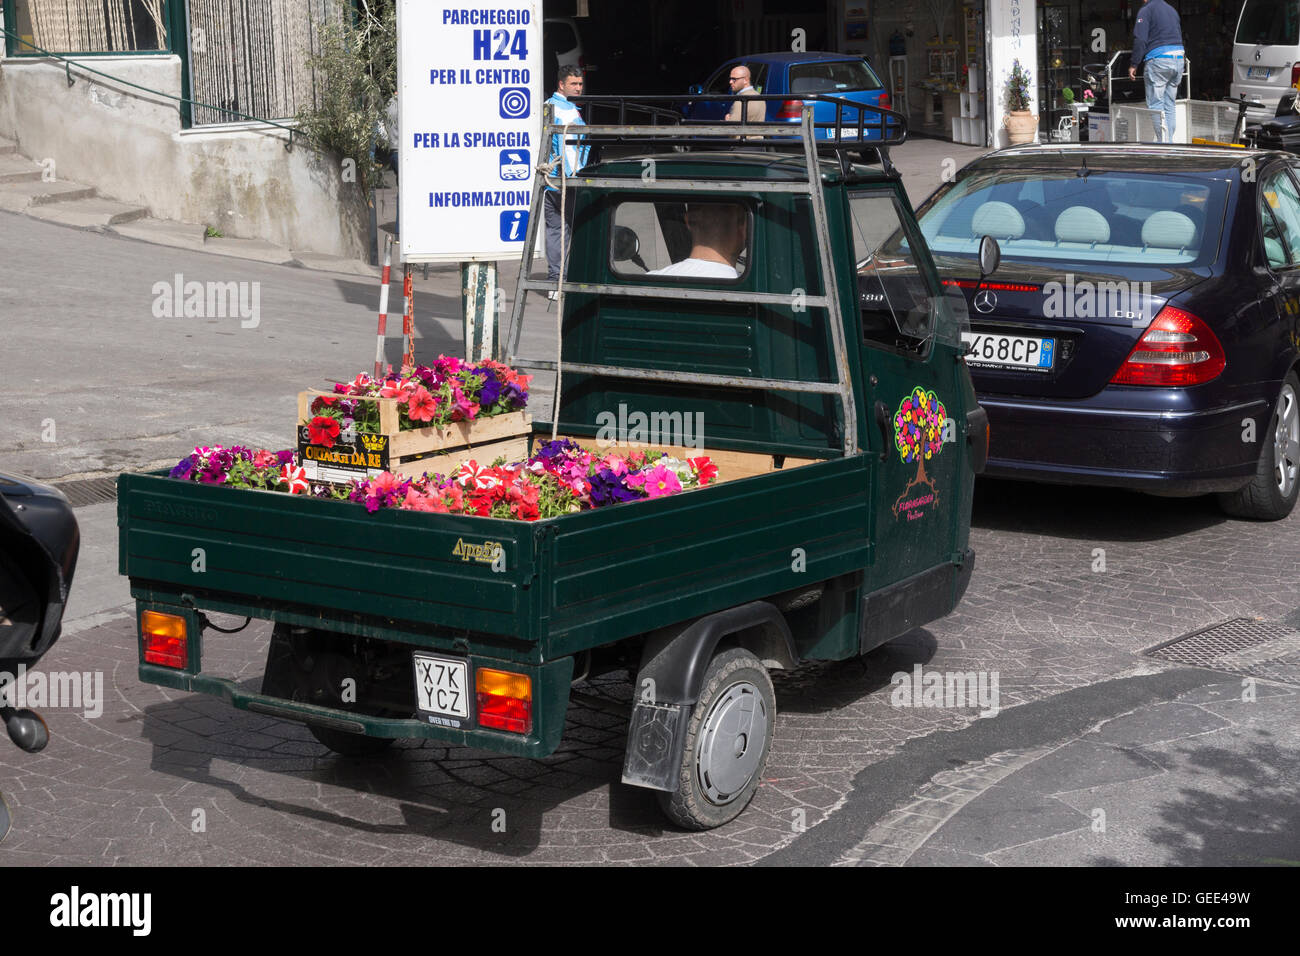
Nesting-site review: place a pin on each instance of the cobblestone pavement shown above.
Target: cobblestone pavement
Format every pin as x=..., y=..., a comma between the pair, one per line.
x=128, y=786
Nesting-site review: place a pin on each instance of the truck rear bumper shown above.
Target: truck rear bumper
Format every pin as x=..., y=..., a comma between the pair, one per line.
x=550, y=701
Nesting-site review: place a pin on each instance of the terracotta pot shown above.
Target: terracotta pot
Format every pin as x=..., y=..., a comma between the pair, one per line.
x=1021, y=125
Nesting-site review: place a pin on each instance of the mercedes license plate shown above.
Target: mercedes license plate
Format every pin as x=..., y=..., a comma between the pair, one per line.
x=1009, y=351
x=442, y=690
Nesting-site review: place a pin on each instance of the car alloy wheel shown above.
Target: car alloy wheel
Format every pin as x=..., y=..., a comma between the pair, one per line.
x=1286, y=441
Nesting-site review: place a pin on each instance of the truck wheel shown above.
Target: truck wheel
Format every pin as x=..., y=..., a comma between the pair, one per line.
x=1272, y=494
x=727, y=741
x=350, y=745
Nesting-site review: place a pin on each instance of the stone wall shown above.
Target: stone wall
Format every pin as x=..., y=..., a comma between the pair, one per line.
x=129, y=144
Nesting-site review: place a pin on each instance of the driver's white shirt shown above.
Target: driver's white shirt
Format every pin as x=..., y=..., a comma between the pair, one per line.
x=698, y=267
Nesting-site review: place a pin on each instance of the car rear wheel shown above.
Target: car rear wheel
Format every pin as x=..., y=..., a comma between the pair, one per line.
x=1273, y=492
x=727, y=741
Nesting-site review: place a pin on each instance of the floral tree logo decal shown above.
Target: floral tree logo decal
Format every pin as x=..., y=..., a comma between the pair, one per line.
x=918, y=437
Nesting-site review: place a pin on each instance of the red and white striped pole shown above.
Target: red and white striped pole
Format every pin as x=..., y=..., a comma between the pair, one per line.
x=408, y=319
x=383, y=306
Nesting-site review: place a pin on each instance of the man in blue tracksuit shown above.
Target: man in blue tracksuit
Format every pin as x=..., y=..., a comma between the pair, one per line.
x=1158, y=49
x=569, y=83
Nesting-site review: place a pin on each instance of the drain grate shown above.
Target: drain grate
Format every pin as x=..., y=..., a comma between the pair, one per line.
x=88, y=491
x=1242, y=645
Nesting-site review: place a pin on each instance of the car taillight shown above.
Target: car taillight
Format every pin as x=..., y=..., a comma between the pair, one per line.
x=505, y=700
x=886, y=102
x=790, y=109
x=164, y=639
x=1177, y=349
x=1295, y=74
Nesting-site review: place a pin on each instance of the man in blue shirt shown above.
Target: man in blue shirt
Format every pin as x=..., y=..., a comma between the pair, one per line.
x=575, y=157
x=1158, y=49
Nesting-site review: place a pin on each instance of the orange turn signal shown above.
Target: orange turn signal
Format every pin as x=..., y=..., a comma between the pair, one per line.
x=505, y=700
x=164, y=639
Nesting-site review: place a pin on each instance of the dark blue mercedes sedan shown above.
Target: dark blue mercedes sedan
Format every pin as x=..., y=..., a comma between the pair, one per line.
x=1143, y=330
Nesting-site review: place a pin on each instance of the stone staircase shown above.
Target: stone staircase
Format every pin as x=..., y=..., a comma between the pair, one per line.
x=26, y=188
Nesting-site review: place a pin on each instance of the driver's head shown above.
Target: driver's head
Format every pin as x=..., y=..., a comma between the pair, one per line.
x=719, y=226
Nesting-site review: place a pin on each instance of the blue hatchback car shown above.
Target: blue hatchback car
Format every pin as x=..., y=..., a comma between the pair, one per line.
x=792, y=74
x=1143, y=330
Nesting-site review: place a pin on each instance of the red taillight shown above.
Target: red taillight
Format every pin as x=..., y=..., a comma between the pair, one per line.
x=505, y=700
x=790, y=110
x=1295, y=74
x=886, y=102
x=163, y=637
x=1177, y=349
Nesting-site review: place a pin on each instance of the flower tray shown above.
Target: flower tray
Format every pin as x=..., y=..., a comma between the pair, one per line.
x=412, y=452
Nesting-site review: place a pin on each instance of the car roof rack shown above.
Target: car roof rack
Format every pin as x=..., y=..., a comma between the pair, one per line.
x=844, y=135
x=665, y=126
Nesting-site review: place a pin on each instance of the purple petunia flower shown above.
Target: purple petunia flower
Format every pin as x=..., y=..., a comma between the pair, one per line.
x=183, y=468
x=608, y=488
x=554, y=449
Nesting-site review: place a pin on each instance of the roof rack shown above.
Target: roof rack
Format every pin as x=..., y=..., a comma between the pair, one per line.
x=857, y=127
x=842, y=140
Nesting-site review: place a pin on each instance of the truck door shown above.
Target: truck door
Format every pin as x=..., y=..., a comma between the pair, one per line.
x=917, y=393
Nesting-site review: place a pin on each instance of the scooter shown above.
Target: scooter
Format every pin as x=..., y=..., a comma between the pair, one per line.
x=39, y=542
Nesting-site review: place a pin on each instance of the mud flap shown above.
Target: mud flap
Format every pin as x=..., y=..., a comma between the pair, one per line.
x=656, y=737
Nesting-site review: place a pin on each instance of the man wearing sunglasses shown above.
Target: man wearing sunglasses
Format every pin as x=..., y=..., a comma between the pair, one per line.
x=755, y=111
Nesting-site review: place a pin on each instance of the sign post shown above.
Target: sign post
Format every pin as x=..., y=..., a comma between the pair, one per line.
x=470, y=107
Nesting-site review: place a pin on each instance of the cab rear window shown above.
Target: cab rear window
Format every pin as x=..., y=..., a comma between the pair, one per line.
x=694, y=241
x=1116, y=217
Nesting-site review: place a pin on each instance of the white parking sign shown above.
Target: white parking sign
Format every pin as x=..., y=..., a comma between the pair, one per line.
x=469, y=119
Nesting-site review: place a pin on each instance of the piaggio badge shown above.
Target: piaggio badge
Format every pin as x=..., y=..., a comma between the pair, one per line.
x=918, y=436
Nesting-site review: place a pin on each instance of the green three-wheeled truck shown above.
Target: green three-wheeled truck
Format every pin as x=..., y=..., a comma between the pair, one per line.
x=829, y=386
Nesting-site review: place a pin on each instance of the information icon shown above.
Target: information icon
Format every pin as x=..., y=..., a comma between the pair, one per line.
x=514, y=225
x=516, y=102
x=515, y=165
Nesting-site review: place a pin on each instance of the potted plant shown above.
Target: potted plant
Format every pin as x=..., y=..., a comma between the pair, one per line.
x=1021, y=124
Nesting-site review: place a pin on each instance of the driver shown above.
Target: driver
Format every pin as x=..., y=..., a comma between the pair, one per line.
x=719, y=234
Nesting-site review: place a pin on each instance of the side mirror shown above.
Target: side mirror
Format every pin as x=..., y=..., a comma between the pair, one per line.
x=695, y=89
x=626, y=244
x=990, y=256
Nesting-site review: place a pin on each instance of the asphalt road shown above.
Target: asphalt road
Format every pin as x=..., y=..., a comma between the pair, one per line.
x=1097, y=753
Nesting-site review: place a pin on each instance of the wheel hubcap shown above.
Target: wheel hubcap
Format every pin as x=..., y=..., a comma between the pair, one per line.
x=1286, y=441
x=731, y=743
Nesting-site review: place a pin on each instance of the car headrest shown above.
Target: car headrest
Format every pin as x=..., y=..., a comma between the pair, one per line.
x=1082, y=224
x=1168, y=230
x=998, y=219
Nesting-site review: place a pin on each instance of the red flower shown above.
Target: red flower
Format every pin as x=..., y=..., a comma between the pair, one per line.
x=323, y=431
x=422, y=405
x=704, y=468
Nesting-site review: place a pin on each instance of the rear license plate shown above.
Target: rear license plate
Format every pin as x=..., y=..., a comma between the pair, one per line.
x=442, y=690
x=1259, y=73
x=1010, y=351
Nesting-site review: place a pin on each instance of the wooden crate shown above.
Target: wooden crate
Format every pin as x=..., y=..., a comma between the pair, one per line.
x=439, y=450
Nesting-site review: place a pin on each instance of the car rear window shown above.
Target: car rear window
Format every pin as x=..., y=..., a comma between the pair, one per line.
x=1270, y=22
x=1115, y=217
x=833, y=76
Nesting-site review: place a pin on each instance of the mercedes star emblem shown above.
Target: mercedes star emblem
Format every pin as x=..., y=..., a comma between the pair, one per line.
x=985, y=301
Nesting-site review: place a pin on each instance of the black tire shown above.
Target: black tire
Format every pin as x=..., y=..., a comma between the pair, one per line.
x=736, y=687
x=1273, y=492
x=349, y=744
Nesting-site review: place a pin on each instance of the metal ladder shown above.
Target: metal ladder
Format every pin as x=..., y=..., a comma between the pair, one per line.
x=810, y=187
